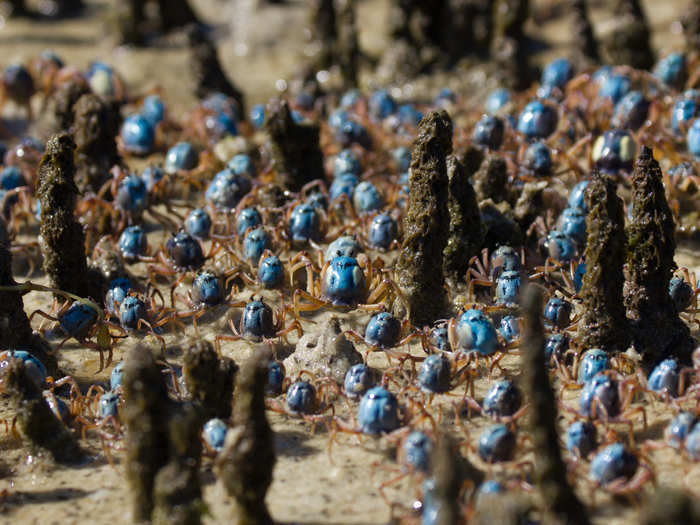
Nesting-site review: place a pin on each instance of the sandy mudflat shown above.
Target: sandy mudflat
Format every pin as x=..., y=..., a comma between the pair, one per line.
x=311, y=484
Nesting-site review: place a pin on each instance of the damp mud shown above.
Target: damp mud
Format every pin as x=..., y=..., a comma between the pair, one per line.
x=314, y=481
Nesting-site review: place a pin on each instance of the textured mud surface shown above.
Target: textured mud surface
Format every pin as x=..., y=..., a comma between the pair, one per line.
x=312, y=481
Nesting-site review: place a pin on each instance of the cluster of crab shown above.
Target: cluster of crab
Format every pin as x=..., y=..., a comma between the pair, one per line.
x=333, y=244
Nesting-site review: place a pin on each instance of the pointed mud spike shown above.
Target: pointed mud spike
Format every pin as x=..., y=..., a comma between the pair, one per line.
x=96, y=124
x=604, y=324
x=491, y=180
x=466, y=235
x=657, y=330
x=146, y=418
x=667, y=506
x=15, y=330
x=629, y=42
x=427, y=221
x=587, y=47
x=691, y=26
x=508, y=46
x=348, y=52
x=174, y=15
x=128, y=21
x=209, y=380
x=36, y=420
x=247, y=460
x=61, y=104
x=324, y=32
x=62, y=239
x=206, y=69
x=441, y=498
x=550, y=470
x=177, y=490
x=296, y=154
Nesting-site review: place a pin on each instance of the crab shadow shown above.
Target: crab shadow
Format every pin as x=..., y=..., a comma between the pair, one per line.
x=654, y=430
x=13, y=124
x=323, y=522
x=291, y=443
x=48, y=39
x=41, y=497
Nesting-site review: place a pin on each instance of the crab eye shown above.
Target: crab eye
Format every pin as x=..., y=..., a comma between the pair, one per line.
x=626, y=149
x=598, y=148
x=357, y=274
